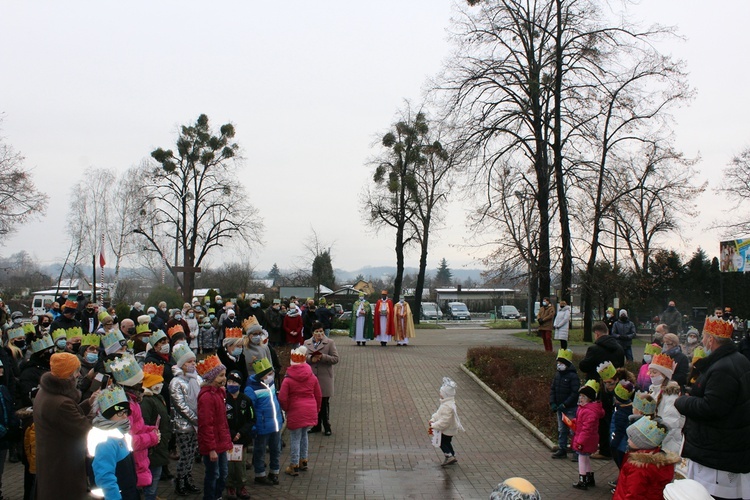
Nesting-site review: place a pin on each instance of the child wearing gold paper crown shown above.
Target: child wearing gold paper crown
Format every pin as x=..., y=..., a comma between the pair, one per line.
x=586, y=436
x=563, y=398
x=214, y=440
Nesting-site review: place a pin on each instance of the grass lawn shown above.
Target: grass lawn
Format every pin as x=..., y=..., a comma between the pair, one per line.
x=504, y=324
x=575, y=337
x=429, y=326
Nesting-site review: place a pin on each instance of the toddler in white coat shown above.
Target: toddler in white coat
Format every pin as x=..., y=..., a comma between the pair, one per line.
x=445, y=420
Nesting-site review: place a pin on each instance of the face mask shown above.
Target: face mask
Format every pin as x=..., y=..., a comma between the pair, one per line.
x=624, y=319
x=212, y=316
x=178, y=317
x=657, y=380
x=231, y=389
x=131, y=331
x=218, y=301
x=163, y=308
x=92, y=357
x=268, y=379
x=151, y=315
x=276, y=308
x=189, y=369
x=45, y=325
x=692, y=340
x=609, y=315
x=164, y=349
x=255, y=339
x=647, y=358
x=191, y=315
x=17, y=321
x=156, y=388
x=256, y=305
x=75, y=347
x=236, y=351
x=561, y=367
x=61, y=343
x=545, y=303
x=20, y=344
x=384, y=297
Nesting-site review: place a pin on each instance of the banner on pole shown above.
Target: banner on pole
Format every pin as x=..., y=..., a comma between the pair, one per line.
x=102, y=261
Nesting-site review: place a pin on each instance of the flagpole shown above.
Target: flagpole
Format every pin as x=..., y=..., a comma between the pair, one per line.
x=101, y=262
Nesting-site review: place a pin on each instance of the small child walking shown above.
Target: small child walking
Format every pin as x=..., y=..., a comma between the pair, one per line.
x=268, y=422
x=241, y=418
x=646, y=469
x=586, y=436
x=618, y=440
x=214, y=440
x=563, y=398
x=446, y=421
x=300, y=397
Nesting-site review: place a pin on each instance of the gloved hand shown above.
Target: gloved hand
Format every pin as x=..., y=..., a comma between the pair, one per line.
x=561, y=407
x=553, y=407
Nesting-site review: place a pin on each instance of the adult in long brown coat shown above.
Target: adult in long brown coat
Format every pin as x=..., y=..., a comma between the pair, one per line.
x=61, y=426
x=546, y=317
x=321, y=356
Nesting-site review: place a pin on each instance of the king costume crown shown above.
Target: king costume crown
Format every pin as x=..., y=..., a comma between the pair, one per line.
x=125, y=369
x=153, y=369
x=175, y=329
x=663, y=363
x=70, y=304
x=606, y=370
x=643, y=405
x=112, y=397
x=299, y=355
x=565, y=354
x=142, y=328
x=28, y=328
x=156, y=337
x=718, y=327
x=74, y=332
x=250, y=321
x=233, y=333
x=650, y=430
x=652, y=349
x=60, y=333
x=111, y=338
x=14, y=333
x=42, y=344
x=91, y=339
x=206, y=365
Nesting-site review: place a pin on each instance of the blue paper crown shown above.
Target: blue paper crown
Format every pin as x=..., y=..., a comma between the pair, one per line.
x=15, y=333
x=650, y=430
x=111, y=338
x=42, y=344
x=156, y=337
x=110, y=397
x=125, y=369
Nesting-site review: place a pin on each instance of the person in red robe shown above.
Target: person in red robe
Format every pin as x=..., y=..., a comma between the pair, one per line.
x=383, y=316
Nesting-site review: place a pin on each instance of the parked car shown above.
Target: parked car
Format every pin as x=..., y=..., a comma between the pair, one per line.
x=458, y=310
x=338, y=309
x=430, y=310
x=508, y=312
x=346, y=316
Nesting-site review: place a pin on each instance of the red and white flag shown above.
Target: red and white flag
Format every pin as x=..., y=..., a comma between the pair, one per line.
x=102, y=262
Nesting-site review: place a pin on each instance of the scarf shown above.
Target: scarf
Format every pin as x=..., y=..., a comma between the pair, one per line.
x=106, y=424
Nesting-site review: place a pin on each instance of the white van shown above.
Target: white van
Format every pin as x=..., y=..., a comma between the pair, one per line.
x=430, y=310
x=43, y=299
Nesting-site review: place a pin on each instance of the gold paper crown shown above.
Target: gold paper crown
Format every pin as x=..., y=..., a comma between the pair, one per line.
x=29, y=328
x=698, y=353
x=248, y=322
x=153, y=369
x=59, y=334
x=606, y=370
x=206, y=365
x=718, y=327
x=652, y=349
x=142, y=328
x=91, y=339
x=233, y=333
x=565, y=354
x=73, y=332
x=593, y=384
x=175, y=329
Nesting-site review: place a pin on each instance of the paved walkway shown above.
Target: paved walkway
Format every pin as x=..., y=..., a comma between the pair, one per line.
x=380, y=449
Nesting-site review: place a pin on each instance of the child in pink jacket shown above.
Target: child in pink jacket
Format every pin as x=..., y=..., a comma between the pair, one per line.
x=586, y=437
x=300, y=397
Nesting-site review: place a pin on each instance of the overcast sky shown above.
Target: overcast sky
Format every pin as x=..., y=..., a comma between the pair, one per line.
x=309, y=86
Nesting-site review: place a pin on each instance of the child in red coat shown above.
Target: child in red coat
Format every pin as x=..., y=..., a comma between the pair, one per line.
x=646, y=470
x=300, y=397
x=586, y=436
x=214, y=439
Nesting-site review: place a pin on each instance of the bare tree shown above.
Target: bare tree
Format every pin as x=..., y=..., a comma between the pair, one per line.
x=196, y=201
x=20, y=200
x=736, y=184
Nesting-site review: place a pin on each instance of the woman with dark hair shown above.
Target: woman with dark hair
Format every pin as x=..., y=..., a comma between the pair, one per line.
x=321, y=356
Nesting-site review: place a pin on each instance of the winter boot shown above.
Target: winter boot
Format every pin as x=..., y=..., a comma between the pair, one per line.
x=581, y=484
x=292, y=470
x=243, y=493
x=190, y=486
x=179, y=487
x=231, y=494
x=560, y=454
x=303, y=464
x=590, y=479
x=274, y=478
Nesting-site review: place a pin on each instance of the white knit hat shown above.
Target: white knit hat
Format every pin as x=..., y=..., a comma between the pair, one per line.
x=448, y=389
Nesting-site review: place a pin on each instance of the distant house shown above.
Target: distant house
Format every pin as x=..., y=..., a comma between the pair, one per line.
x=347, y=294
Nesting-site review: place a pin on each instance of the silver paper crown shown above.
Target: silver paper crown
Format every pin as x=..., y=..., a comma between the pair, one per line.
x=125, y=369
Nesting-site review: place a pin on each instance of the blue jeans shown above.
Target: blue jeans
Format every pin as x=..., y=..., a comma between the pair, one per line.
x=149, y=492
x=628, y=352
x=273, y=441
x=298, y=445
x=563, y=431
x=216, y=476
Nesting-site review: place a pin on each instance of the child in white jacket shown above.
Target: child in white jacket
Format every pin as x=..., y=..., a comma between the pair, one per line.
x=446, y=421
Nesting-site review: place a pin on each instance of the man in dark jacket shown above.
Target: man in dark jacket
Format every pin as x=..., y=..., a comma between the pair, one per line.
x=623, y=330
x=717, y=412
x=325, y=316
x=274, y=323
x=605, y=348
x=672, y=318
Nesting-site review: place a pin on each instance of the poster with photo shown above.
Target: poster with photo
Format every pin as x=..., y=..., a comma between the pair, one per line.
x=734, y=256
